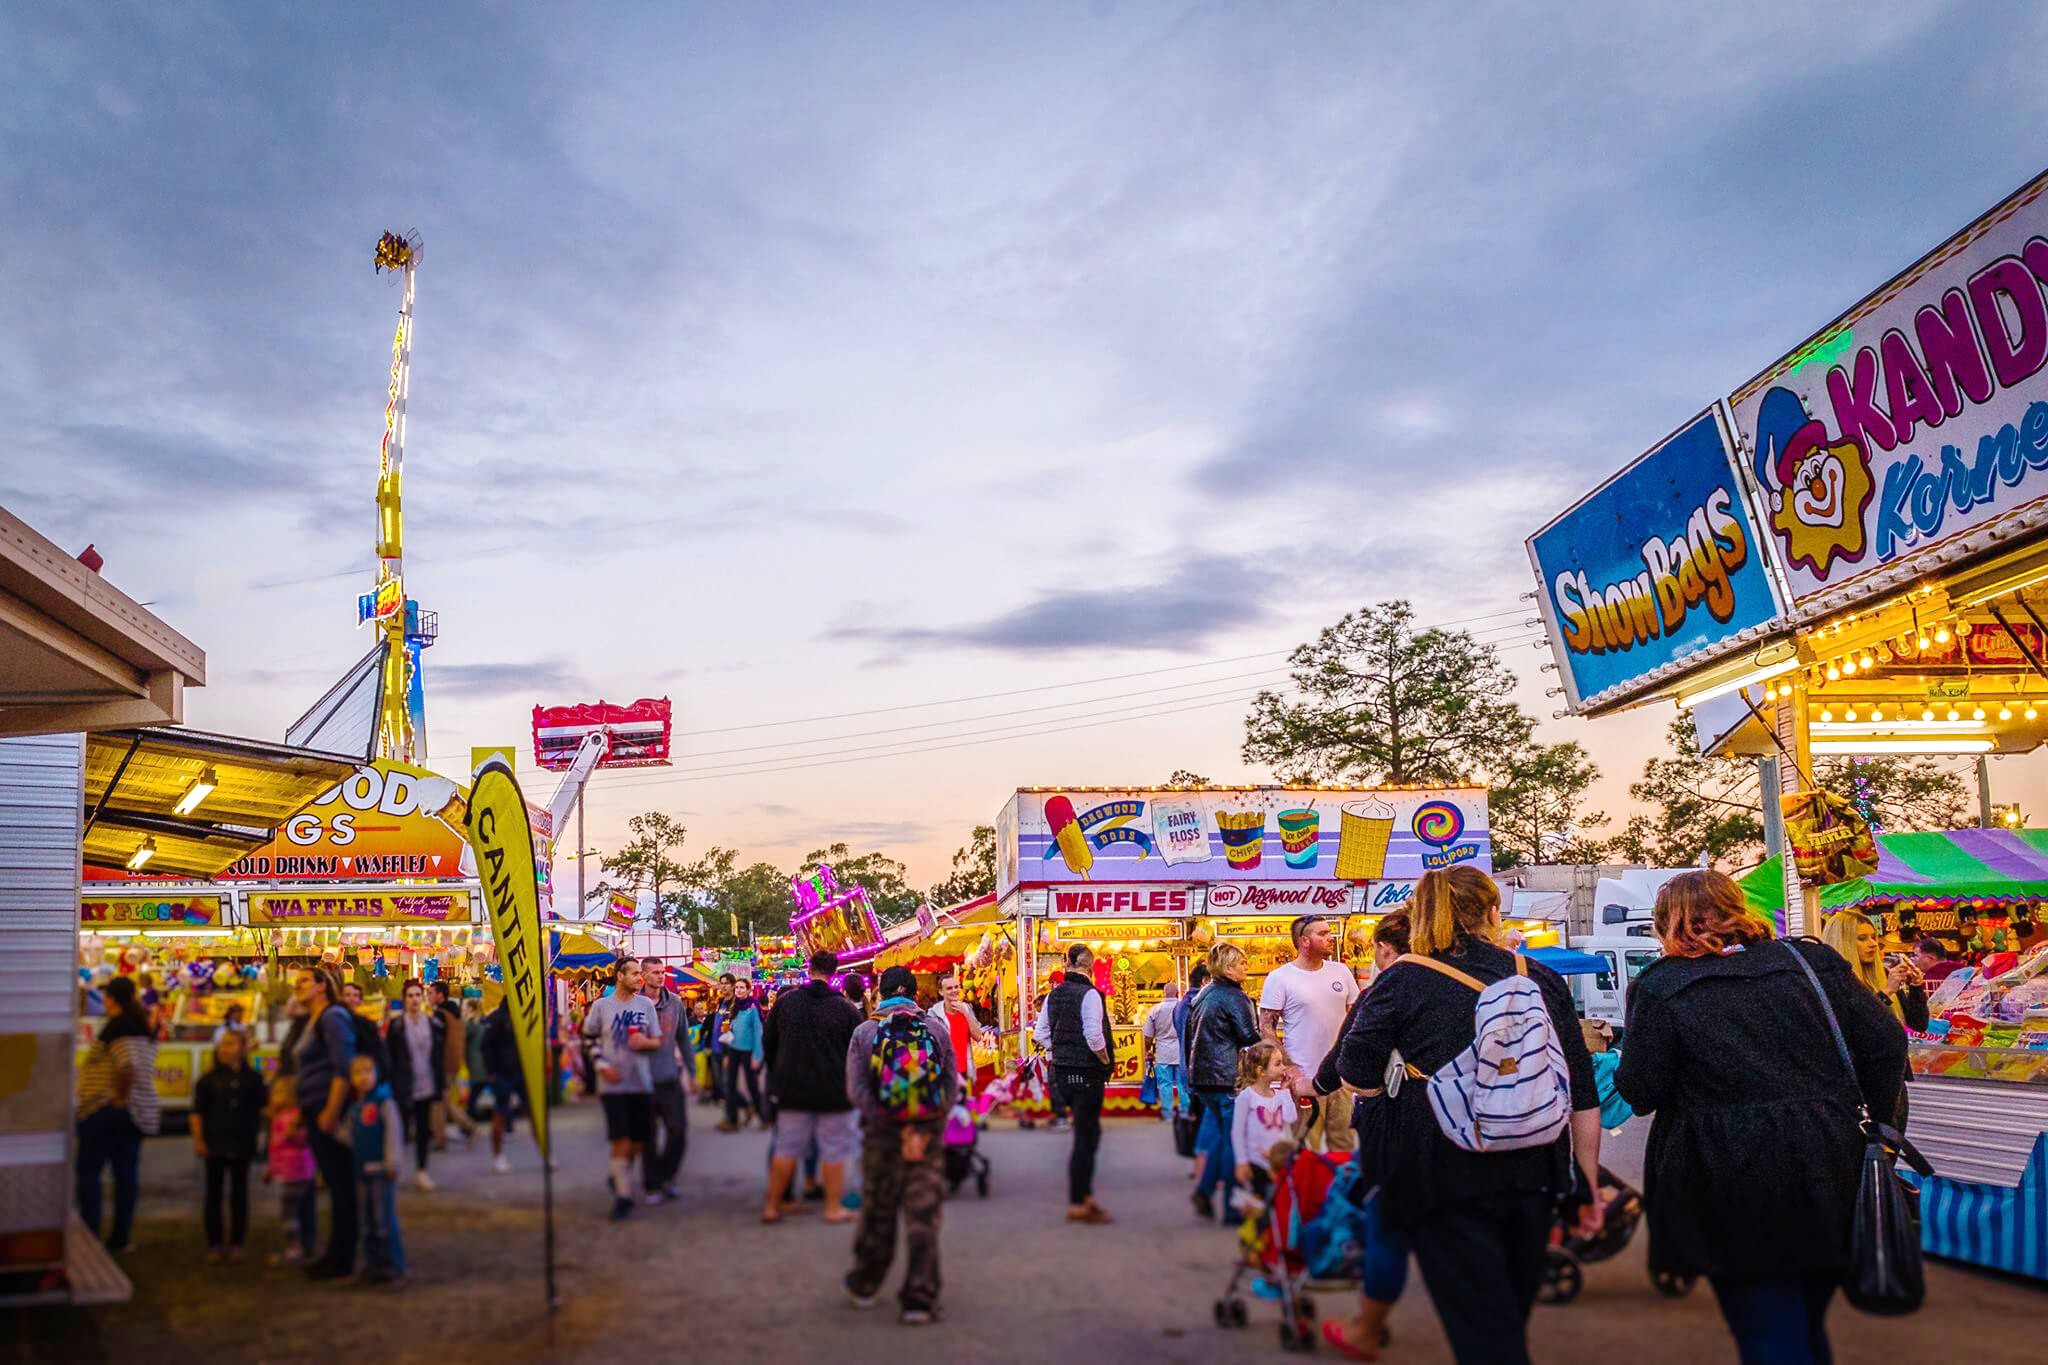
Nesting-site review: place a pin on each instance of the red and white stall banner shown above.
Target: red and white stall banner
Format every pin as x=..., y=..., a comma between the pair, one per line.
x=1273, y=898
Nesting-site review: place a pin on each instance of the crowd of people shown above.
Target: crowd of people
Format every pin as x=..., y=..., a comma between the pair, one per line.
x=1729, y=1048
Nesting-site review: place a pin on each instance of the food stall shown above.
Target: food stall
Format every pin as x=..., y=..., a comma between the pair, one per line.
x=1843, y=557
x=1152, y=878
x=1980, y=1072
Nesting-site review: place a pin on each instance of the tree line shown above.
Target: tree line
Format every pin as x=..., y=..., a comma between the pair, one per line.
x=1378, y=699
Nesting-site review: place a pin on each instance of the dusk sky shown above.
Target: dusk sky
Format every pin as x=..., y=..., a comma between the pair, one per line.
x=820, y=362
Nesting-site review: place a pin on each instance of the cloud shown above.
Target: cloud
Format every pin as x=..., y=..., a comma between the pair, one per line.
x=1196, y=600
x=538, y=679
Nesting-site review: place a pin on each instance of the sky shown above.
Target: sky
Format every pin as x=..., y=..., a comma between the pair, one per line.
x=817, y=363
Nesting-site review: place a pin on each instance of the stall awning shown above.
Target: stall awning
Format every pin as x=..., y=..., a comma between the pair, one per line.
x=1939, y=869
x=77, y=653
x=1566, y=962
x=957, y=928
x=580, y=956
x=236, y=793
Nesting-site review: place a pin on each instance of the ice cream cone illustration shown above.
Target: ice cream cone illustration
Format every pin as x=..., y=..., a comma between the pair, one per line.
x=1298, y=836
x=1059, y=818
x=1364, y=829
x=1244, y=837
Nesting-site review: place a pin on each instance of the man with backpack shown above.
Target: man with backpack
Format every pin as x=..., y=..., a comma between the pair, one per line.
x=903, y=1081
x=1073, y=1028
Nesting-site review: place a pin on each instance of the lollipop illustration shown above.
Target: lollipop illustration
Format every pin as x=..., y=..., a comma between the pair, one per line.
x=1438, y=823
x=1059, y=818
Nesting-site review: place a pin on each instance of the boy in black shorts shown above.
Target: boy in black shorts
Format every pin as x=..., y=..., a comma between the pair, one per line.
x=626, y=1030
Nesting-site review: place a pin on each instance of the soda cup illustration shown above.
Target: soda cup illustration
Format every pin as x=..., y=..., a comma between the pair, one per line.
x=1364, y=827
x=1298, y=836
x=1244, y=837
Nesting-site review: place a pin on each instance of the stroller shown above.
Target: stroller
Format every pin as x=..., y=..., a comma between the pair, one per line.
x=1308, y=1233
x=1621, y=1213
x=963, y=1146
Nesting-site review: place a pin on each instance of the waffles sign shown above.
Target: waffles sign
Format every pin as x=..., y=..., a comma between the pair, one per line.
x=387, y=820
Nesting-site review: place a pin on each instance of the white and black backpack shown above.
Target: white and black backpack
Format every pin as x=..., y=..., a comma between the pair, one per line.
x=1510, y=1089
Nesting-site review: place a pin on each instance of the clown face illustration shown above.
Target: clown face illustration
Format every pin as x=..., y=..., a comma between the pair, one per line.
x=1818, y=490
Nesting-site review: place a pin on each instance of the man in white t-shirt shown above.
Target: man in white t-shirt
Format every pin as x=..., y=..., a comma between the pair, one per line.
x=1302, y=1008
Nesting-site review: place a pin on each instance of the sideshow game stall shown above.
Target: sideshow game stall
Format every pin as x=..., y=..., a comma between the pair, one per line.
x=1844, y=557
x=1152, y=878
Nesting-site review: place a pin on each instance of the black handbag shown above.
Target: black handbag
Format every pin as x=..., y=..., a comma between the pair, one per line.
x=1184, y=1129
x=1886, y=1275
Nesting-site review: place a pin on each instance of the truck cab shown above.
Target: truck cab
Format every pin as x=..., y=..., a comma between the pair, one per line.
x=1623, y=939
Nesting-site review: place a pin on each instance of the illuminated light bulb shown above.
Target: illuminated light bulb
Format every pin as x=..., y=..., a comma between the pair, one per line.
x=1962, y=627
x=1826, y=716
x=1977, y=714
x=2005, y=713
x=1924, y=642
x=1848, y=666
x=1941, y=636
x=1953, y=714
x=1876, y=715
x=2030, y=713
x=1867, y=660
x=1833, y=673
x=1928, y=714
x=1848, y=715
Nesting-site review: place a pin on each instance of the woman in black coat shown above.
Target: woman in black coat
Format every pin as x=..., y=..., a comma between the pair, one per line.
x=1753, y=1159
x=227, y=1123
x=1221, y=1025
x=1478, y=1221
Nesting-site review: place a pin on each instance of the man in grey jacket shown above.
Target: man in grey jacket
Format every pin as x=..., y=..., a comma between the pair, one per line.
x=902, y=1159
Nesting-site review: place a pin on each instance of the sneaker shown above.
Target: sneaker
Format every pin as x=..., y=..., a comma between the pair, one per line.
x=423, y=1182
x=1205, y=1209
x=654, y=1199
x=918, y=1317
x=622, y=1209
x=502, y=1164
x=860, y=1300
x=671, y=1191
x=728, y=1127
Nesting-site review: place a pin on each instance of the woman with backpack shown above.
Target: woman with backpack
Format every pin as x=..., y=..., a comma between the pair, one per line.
x=1221, y=1025
x=1476, y=1200
x=1755, y=1152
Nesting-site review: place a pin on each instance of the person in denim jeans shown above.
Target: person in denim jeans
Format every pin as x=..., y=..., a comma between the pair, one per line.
x=1221, y=1025
x=374, y=1131
x=117, y=1108
x=1162, y=1047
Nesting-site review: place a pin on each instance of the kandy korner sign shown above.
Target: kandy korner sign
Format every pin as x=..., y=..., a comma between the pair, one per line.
x=1658, y=564
x=1916, y=417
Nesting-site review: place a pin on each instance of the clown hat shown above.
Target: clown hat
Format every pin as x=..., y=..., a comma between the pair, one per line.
x=1784, y=434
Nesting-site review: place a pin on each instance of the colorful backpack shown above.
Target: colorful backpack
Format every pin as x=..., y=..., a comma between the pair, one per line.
x=908, y=1069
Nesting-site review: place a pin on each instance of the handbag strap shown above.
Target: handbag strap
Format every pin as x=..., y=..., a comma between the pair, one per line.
x=1827, y=1010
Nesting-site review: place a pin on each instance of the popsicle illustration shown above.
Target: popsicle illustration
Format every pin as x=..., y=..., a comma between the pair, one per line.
x=1059, y=818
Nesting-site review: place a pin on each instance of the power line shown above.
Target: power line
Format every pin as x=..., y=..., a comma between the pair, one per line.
x=909, y=753
x=1045, y=726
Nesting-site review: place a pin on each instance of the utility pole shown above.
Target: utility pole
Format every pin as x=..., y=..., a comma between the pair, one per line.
x=1984, y=811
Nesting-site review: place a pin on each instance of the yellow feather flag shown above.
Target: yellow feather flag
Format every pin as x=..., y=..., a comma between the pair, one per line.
x=502, y=839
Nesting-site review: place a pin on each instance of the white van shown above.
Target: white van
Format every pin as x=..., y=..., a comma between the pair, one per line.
x=1604, y=994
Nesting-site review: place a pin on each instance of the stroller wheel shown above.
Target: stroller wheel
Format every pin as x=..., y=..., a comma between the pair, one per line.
x=1673, y=1285
x=1305, y=1309
x=1562, y=1277
x=1222, y=1311
x=1238, y=1316
x=1291, y=1340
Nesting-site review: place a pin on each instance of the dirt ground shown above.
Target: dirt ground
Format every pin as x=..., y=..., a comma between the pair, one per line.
x=705, y=1278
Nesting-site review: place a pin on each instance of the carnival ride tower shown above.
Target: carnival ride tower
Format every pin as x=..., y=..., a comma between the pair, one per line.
x=378, y=709
x=401, y=717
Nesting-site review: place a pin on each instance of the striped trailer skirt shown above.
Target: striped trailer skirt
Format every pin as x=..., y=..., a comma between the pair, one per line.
x=1995, y=1226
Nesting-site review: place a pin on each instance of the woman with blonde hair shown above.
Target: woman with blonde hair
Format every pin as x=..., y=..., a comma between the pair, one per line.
x=1750, y=1177
x=1478, y=1221
x=1222, y=1025
x=1851, y=934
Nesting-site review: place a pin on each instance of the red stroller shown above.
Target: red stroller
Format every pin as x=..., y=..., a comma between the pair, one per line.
x=1284, y=1243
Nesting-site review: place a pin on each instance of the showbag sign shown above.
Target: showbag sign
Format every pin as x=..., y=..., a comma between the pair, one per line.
x=1659, y=564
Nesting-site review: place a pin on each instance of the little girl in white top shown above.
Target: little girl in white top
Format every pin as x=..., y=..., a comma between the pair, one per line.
x=1263, y=1114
